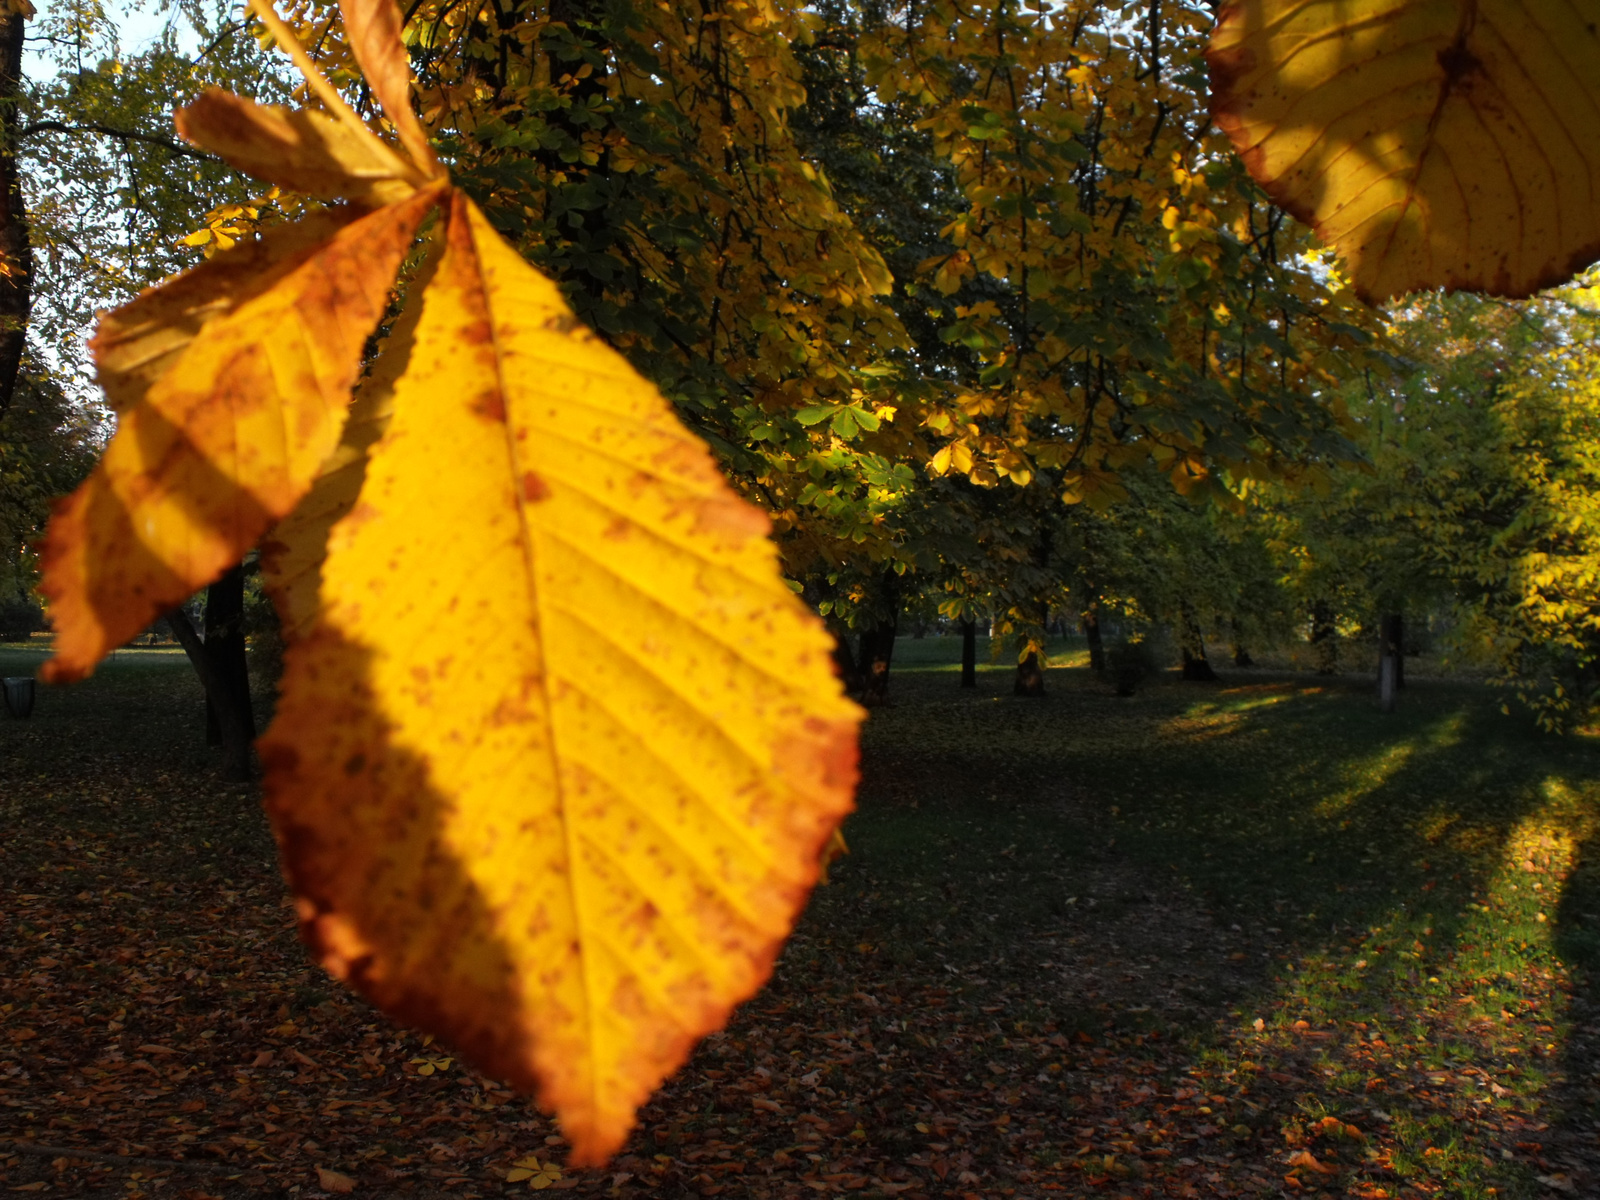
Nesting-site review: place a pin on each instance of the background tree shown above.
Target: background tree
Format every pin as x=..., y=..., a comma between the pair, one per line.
x=46, y=448
x=111, y=191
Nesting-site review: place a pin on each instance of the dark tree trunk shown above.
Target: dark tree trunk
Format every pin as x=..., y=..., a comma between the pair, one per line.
x=877, y=655
x=1196, y=667
x=1097, y=645
x=1392, y=644
x=1324, y=638
x=844, y=662
x=969, y=654
x=877, y=642
x=16, y=254
x=1030, y=676
x=225, y=649
x=1241, y=656
x=234, y=722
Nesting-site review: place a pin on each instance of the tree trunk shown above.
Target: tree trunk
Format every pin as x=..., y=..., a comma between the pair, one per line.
x=877, y=641
x=1030, y=676
x=969, y=654
x=1324, y=638
x=1241, y=656
x=1386, y=682
x=1392, y=644
x=1097, y=645
x=235, y=723
x=16, y=254
x=877, y=655
x=1196, y=668
x=225, y=648
x=844, y=663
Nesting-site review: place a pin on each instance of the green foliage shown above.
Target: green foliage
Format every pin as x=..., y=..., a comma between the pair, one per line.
x=1482, y=495
x=110, y=189
x=46, y=449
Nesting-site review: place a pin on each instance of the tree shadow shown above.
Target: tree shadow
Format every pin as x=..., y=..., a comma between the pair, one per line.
x=1367, y=875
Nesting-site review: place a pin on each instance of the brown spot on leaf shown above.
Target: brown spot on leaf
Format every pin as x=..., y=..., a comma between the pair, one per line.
x=491, y=407
x=1458, y=62
x=534, y=489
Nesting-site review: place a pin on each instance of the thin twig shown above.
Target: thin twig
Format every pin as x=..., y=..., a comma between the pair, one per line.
x=110, y=131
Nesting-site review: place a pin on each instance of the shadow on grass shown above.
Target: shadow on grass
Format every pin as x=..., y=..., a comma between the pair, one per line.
x=1405, y=902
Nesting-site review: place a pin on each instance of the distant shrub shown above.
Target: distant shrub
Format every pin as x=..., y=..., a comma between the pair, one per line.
x=20, y=617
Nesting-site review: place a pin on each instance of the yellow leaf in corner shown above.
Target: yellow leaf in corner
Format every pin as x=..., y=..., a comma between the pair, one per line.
x=553, y=770
x=227, y=413
x=1441, y=144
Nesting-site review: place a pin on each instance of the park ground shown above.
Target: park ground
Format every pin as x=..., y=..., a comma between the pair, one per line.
x=1253, y=938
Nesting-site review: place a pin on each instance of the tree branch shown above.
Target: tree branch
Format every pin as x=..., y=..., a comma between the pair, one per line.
x=127, y=135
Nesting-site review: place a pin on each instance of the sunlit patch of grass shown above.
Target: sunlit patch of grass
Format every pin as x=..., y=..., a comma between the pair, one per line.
x=1447, y=733
x=1364, y=777
x=1069, y=658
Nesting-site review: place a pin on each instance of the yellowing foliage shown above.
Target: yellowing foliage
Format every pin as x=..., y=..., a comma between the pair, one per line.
x=558, y=749
x=1443, y=144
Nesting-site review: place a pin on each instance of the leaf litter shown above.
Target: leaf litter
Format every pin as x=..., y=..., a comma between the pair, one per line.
x=965, y=1012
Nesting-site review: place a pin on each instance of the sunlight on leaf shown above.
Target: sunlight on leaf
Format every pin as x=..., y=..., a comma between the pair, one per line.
x=1445, y=144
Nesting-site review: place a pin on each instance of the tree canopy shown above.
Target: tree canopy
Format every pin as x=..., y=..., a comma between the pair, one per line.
x=508, y=333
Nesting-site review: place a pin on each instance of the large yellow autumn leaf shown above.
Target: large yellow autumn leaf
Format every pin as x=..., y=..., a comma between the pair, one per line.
x=552, y=769
x=1454, y=143
x=558, y=748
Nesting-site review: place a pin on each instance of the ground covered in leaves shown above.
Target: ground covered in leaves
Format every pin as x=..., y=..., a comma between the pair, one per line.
x=1247, y=939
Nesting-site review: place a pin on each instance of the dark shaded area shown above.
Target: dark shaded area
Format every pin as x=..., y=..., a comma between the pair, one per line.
x=225, y=648
x=1096, y=639
x=1392, y=644
x=1030, y=676
x=877, y=656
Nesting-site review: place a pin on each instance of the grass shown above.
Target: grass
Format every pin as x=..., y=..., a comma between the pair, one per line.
x=1200, y=938
x=1417, y=886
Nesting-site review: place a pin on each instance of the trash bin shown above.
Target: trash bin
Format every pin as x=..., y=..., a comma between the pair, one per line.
x=19, y=695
